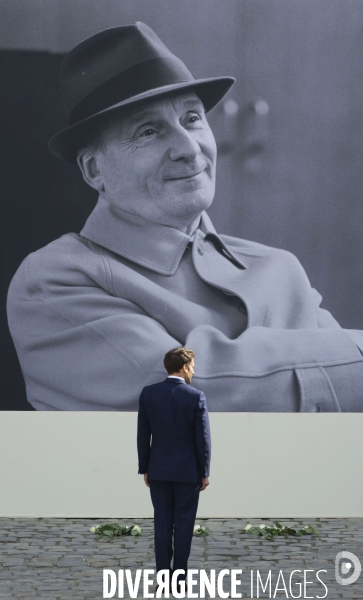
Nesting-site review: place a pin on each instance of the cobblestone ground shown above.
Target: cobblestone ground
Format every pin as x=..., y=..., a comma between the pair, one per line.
x=60, y=559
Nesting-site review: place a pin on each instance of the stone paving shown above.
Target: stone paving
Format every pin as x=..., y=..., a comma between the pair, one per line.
x=60, y=559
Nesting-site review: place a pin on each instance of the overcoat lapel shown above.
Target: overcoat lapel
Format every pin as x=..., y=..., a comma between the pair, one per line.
x=230, y=275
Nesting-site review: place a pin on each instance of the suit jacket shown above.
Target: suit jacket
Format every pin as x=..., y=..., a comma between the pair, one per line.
x=88, y=313
x=175, y=415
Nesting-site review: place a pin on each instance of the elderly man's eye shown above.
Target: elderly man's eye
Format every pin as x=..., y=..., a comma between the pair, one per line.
x=147, y=132
x=194, y=118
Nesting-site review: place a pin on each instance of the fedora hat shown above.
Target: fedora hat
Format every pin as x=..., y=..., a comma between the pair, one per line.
x=121, y=67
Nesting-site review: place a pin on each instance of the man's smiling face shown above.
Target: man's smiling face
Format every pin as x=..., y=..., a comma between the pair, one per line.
x=159, y=161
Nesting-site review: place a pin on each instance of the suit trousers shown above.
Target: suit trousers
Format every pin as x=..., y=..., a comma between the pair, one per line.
x=175, y=506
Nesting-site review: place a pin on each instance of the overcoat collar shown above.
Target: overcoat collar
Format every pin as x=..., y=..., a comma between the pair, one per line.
x=151, y=245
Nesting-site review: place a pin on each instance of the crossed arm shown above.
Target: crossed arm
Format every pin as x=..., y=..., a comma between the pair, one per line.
x=81, y=348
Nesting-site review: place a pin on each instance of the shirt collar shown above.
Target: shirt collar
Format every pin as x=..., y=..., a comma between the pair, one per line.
x=176, y=377
x=154, y=246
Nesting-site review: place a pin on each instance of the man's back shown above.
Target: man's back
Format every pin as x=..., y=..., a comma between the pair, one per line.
x=176, y=465
x=175, y=414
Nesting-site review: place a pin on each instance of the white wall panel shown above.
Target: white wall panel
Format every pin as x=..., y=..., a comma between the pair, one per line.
x=69, y=464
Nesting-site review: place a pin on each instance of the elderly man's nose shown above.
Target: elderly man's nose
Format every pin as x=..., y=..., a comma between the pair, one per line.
x=183, y=145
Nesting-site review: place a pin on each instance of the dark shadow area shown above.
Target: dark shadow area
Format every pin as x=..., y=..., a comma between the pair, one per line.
x=42, y=197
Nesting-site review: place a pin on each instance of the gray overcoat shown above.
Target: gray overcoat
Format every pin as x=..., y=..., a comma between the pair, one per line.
x=92, y=316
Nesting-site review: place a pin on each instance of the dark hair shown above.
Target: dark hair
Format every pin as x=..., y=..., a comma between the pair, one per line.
x=176, y=358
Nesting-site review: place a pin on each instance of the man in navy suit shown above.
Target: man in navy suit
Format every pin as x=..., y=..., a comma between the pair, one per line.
x=176, y=464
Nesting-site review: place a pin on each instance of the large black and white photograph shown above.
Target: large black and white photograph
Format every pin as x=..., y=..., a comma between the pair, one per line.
x=182, y=175
x=181, y=289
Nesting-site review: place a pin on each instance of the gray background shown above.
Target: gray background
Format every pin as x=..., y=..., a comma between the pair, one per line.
x=291, y=178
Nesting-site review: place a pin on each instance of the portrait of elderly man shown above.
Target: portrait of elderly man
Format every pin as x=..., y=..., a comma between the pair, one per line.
x=92, y=314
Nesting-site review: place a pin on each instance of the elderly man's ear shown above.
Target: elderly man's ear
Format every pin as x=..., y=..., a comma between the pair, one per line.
x=87, y=162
